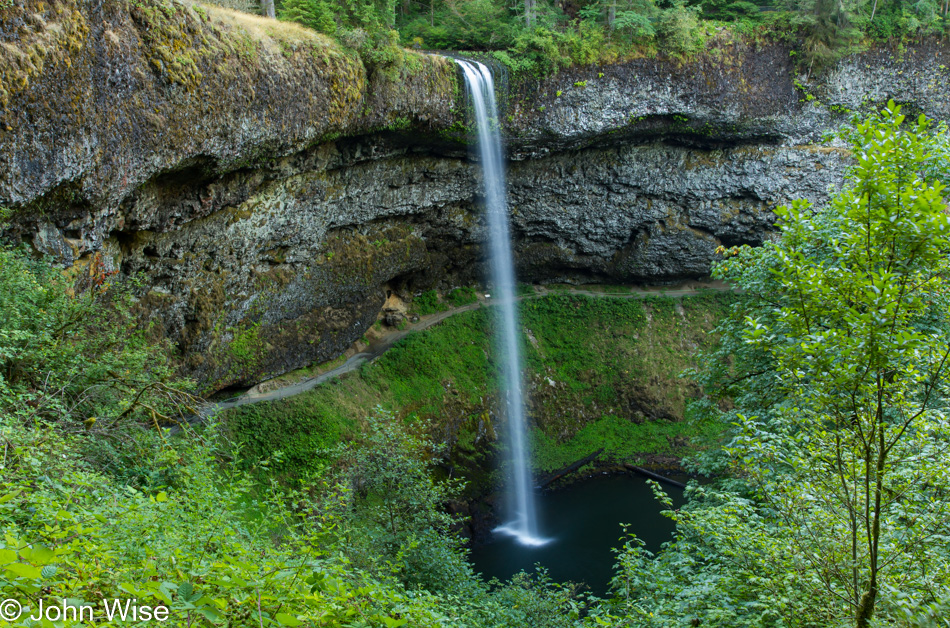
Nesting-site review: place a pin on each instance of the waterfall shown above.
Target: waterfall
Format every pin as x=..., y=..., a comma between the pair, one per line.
x=478, y=80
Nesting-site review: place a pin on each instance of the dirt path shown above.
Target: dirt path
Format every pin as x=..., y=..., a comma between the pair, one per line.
x=387, y=340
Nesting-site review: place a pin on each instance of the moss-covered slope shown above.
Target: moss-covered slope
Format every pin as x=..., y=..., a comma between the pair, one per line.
x=98, y=97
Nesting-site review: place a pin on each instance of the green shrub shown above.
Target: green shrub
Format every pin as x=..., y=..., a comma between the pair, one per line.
x=428, y=303
x=315, y=14
x=462, y=296
x=72, y=351
x=679, y=30
x=472, y=25
x=293, y=437
x=731, y=10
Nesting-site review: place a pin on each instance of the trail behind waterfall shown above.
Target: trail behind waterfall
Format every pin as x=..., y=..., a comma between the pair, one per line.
x=382, y=344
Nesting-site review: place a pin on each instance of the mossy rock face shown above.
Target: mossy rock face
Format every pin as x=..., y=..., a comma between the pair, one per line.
x=239, y=328
x=735, y=92
x=270, y=187
x=108, y=96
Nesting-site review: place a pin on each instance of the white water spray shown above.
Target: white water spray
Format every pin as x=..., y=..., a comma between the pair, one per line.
x=478, y=80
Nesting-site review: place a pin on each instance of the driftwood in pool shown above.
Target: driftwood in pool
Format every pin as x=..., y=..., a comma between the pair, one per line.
x=560, y=473
x=653, y=476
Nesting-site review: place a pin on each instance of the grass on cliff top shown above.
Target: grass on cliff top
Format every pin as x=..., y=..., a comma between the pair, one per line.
x=600, y=372
x=264, y=28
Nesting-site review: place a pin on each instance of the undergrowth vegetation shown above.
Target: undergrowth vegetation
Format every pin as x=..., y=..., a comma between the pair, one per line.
x=100, y=501
x=322, y=510
x=598, y=367
x=832, y=507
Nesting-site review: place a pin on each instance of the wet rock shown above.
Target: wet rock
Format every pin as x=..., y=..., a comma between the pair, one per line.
x=275, y=202
x=393, y=319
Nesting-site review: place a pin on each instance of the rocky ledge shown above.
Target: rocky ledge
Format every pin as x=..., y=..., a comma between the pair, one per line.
x=273, y=190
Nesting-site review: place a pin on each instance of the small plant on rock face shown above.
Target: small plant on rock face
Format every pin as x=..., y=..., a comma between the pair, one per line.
x=428, y=303
x=462, y=296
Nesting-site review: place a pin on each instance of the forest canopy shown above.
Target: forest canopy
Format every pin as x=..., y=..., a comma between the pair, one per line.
x=542, y=36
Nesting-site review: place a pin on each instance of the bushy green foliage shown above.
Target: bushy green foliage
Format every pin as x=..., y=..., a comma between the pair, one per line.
x=415, y=371
x=838, y=505
x=330, y=17
x=621, y=439
x=462, y=296
x=126, y=510
x=603, y=355
x=71, y=350
x=680, y=31
x=472, y=25
x=428, y=303
x=831, y=28
x=315, y=14
x=636, y=19
x=395, y=521
x=604, y=31
x=295, y=440
x=215, y=548
x=731, y=10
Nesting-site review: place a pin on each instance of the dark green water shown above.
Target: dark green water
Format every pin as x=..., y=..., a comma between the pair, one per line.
x=583, y=523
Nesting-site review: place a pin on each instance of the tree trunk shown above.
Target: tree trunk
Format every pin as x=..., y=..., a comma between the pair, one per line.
x=611, y=14
x=267, y=8
x=654, y=476
x=529, y=13
x=569, y=468
x=868, y=600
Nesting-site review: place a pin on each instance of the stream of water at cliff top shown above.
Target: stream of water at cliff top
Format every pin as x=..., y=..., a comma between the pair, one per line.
x=522, y=521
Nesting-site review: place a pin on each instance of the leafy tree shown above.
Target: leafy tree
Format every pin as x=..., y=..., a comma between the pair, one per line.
x=842, y=503
x=679, y=30
x=900, y=17
x=315, y=14
x=863, y=344
x=832, y=28
x=632, y=17
x=462, y=25
x=72, y=350
x=732, y=10
x=395, y=515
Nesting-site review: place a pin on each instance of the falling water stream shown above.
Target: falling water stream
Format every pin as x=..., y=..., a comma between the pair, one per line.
x=523, y=523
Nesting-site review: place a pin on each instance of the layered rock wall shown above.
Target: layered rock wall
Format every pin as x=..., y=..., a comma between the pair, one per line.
x=272, y=189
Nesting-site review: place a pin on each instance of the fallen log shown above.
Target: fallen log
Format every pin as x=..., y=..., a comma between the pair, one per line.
x=653, y=476
x=560, y=473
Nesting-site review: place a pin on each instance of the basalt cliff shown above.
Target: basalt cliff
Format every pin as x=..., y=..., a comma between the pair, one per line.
x=272, y=190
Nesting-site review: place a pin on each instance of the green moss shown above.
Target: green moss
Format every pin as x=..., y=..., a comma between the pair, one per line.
x=246, y=347
x=621, y=440
x=601, y=372
x=48, y=35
